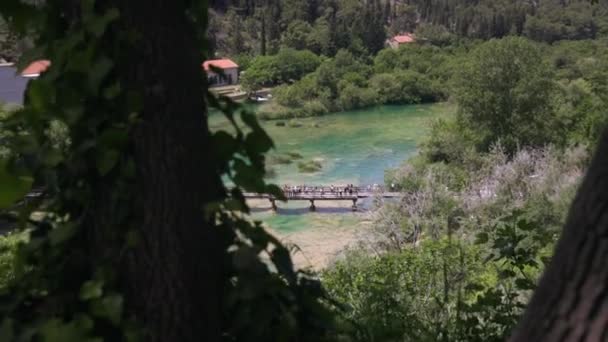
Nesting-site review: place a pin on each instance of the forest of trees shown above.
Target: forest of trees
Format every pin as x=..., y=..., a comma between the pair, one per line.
x=487, y=197
x=326, y=26
x=136, y=235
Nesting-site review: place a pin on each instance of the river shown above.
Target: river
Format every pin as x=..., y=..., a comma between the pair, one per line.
x=354, y=147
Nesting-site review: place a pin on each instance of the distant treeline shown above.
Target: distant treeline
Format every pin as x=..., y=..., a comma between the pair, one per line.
x=326, y=26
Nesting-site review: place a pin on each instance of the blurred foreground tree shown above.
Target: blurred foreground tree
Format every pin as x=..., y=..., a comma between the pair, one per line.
x=571, y=300
x=140, y=237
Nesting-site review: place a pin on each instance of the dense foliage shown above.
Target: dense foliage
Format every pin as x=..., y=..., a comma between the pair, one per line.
x=288, y=65
x=412, y=74
x=485, y=198
x=326, y=26
x=77, y=136
x=504, y=90
x=455, y=259
x=11, y=46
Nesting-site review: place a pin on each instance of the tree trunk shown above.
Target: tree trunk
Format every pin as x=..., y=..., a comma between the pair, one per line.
x=173, y=276
x=571, y=301
x=263, y=33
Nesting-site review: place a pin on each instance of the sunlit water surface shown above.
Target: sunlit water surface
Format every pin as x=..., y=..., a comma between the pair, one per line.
x=354, y=147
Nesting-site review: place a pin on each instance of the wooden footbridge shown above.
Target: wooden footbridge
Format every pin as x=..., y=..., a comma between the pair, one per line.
x=325, y=193
x=307, y=193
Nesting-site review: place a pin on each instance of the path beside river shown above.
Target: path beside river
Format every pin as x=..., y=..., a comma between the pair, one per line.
x=321, y=235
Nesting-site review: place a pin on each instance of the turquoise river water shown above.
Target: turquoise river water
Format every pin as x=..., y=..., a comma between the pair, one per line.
x=353, y=147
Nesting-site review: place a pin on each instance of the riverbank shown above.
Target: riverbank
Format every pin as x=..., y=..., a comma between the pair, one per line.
x=273, y=111
x=318, y=238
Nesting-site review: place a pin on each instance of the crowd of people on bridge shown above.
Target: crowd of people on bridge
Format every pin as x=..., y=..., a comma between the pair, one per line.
x=338, y=191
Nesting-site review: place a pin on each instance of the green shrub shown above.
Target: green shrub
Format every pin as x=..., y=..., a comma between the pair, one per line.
x=411, y=295
x=449, y=142
x=8, y=249
x=312, y=108
x=504, y=91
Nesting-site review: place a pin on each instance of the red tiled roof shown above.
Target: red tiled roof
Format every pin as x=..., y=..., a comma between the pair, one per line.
x=36, y=68
x=404, y=38
x=224, y=63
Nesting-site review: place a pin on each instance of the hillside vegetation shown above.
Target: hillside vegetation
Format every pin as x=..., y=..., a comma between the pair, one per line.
x=142, y=229
x=327, y=26
x=457, y=259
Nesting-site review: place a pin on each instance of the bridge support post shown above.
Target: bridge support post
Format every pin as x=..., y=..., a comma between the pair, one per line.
x=354, y=204
x=273, y=203
x=312, y=205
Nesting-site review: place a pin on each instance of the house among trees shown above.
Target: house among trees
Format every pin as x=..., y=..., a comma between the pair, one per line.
x=13, y=84
x=228, y=67
x=402, y=39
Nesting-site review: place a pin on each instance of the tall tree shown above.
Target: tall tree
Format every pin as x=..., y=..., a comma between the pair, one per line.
x=571, y=300
x=263, y=35
x=235, y=28
x=11, y=46
x=504, y=91
x=273, y=25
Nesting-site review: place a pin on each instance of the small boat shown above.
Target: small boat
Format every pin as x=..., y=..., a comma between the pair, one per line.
x=259, y=98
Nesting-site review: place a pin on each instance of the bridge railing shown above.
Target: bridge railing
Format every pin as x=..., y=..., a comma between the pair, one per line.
x=308, y=191
x=334, y=189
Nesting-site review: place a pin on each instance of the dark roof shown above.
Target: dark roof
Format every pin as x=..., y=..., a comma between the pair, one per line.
x=12, y=85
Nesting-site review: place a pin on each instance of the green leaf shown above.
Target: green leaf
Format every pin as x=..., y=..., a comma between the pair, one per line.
x=524, y=284
x=525, y=225
x=30, y=56
x=91, y=289
x=26, y=144
x=115, y=138
x=52, y=157
x=245, y=258
x=40, y=94
x=62, y=233
x=109, y=307
x=112, y=91
x=71, y=331
x=98, y=24
x=474, y=287
x=13, y=187
x=282, y=260
x=275, y=191
x=106, y=160
x=505, y=274
x=6, y=330
x=98, y=73
x=481, y=238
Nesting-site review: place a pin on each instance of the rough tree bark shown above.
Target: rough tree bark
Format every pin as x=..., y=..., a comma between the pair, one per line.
x=173, y=276
x=571, y=301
